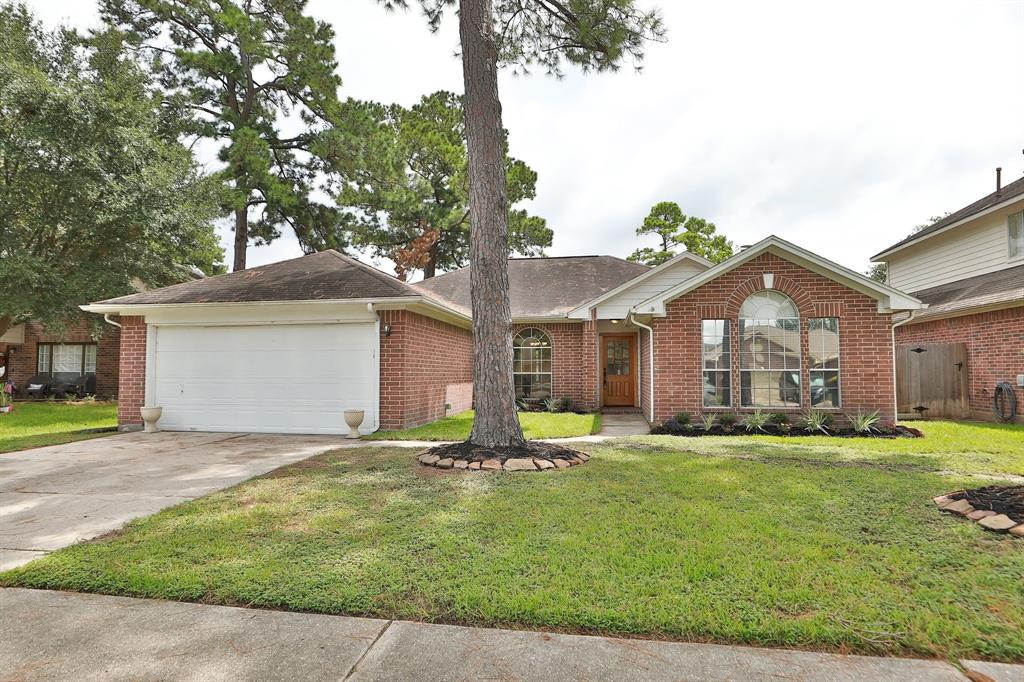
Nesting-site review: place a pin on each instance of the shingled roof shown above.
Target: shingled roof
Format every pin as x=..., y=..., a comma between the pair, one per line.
x=541, y=287
x=327, y=275
x=1008, y=192
x=992, y=289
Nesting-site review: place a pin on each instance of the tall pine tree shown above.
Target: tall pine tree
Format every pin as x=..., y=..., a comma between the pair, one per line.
x=249, y=70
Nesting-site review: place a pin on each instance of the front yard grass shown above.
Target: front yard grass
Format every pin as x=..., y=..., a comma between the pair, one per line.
x=35, y=424
x=643, y=540
x=535, y=425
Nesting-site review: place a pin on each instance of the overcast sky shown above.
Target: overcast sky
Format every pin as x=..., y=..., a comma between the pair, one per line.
x=837, y=126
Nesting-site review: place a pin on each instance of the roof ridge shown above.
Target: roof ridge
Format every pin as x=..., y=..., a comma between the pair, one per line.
x=369, y=269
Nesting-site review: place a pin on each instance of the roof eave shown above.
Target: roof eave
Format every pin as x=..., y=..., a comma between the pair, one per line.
x=899, y=246
x=582, y=311
x=889, y=299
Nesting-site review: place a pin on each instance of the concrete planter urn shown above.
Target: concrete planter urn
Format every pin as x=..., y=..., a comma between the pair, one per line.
x=354, y=418
x=150, y=416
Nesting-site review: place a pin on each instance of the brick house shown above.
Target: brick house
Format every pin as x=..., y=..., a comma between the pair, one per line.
x=29, y=349
x=287, y=347
x=968, y=268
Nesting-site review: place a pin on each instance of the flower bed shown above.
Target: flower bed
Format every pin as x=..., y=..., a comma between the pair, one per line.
x=812, y=423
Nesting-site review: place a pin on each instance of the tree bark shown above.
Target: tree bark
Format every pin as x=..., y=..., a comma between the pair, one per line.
x=496, y=423
x=241, y=236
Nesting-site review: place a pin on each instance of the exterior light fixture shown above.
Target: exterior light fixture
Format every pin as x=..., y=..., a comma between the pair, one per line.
x=387, y=329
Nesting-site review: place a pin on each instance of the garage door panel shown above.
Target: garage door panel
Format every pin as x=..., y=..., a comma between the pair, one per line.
x=280, y=378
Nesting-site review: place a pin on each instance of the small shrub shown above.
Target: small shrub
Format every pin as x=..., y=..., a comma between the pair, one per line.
x=557, y=404
x=707, y=421
x=816, y=420
x=728, y=421
x=683, y=418
x=755, y=421
x=864, y=423
x=779, y=418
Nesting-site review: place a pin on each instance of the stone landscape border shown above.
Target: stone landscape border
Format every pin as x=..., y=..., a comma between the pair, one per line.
x=494, y=464
x=986, y=518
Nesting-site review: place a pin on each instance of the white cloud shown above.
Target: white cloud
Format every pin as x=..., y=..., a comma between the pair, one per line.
x=838, y=126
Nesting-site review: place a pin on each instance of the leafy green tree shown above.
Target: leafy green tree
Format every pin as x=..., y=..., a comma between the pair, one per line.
x=403, y=173
x=878, y=272
x=592, y=34
x=668, y=222
x=96, y=193
x=248, y=70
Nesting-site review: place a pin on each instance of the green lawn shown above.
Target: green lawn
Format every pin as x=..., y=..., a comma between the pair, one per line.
x=34, y=424
x=535, y=425
x=643, y=540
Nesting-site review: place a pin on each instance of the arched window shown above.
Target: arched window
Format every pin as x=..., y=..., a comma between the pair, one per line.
x=769, y=351
x=531, y=364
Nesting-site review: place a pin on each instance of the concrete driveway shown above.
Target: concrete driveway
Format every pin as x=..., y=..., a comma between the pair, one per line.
x=55, y=496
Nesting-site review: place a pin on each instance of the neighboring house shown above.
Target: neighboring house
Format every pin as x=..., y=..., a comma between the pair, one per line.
x=287, y=347
x=29, y=349
x=969, y=269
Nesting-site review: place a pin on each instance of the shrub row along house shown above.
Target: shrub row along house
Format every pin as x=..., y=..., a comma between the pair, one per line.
x=969, y=269
x=287, y=347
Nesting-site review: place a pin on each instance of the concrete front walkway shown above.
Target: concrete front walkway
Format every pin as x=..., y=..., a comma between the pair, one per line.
x=618, y=425
x=58, y=636
x=55, y=496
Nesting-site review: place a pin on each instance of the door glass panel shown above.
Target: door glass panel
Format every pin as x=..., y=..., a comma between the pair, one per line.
x=617, y=357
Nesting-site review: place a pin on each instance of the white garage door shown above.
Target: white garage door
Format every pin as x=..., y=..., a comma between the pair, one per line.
x=273, y=379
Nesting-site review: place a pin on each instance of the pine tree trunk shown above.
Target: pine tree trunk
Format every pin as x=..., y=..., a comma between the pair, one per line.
x=241, y=236
x=496, y=423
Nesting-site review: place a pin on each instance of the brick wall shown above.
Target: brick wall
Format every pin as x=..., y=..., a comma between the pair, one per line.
x=132, y=391
x=424, y=365
x=22, y=364
x=995, y=351
x=865, y=337
x=573, y=361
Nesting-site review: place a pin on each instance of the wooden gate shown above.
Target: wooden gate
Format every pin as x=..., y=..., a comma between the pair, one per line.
x=931, y=380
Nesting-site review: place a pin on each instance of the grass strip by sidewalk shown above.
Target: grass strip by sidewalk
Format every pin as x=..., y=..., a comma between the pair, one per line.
x=35, y=424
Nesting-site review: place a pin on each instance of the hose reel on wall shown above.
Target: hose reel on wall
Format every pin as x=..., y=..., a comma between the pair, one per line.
x=1004, y=402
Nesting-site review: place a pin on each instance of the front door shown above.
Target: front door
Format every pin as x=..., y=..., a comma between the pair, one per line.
x=618, y=368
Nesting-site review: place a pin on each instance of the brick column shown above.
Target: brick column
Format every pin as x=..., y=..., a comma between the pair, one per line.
x=131, y=391
x=590, y=365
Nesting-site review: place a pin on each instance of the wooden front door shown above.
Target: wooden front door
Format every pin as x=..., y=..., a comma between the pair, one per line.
x=931, y=380
x=618, y=369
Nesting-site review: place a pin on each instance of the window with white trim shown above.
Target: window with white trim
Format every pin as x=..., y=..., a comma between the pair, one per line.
x=66, y=361
x=1015, y=230
x=531, y=365
x=823, y=345
x=769, y=338
x=717, y=363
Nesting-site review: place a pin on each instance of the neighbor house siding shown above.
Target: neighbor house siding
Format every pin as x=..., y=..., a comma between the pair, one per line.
x=26, y=353
x=132, y=390
x=865, y=338
x=573, y=360
x=975, y=248
x=426, y=369
x=619, y=306
x=995, y=351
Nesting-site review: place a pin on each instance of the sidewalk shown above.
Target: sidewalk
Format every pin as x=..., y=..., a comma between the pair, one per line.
x=59, y=635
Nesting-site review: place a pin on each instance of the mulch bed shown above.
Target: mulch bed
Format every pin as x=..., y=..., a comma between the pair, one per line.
x=674, y=429
x=996, y=507
x=1007, y=500
x=532, y=456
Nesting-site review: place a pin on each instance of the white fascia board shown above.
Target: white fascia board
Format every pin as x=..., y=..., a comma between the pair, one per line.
x=889, y=299
x=583, y=311
x=253, y=310
x=880, y=257
x=547, y=319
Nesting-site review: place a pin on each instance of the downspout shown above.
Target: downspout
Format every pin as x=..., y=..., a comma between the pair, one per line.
x=376, y=351
x=106, y=318
x=895, y=389
x=650, y=340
